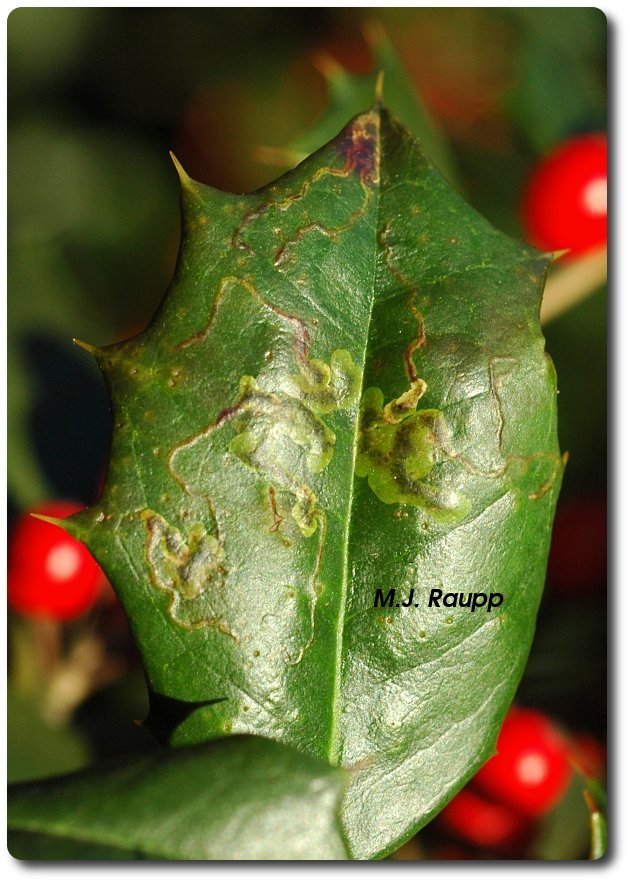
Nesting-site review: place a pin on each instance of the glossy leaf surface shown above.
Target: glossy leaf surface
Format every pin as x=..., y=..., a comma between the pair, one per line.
x=344, y=391
x=243, y=798
x=599, y=836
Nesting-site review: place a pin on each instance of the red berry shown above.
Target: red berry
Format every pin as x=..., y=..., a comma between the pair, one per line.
x=565, y=199
x=476, y=820
x=50, y=573
x=530, y=771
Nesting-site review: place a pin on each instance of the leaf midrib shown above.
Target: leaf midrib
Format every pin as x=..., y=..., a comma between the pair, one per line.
x=334, y=747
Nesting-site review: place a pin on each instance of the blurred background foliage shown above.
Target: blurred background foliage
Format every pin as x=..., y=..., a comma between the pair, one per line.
x=98, y=96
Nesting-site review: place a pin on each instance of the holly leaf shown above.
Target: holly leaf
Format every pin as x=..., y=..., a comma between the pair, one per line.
x=343, y=403
x=599, y=828
x=245, y=798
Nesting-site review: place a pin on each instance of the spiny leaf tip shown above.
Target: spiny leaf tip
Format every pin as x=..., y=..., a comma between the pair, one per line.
x=94, y=350
x=378, y=89
x=560, y=253
x=58, y=522
x=184, y=178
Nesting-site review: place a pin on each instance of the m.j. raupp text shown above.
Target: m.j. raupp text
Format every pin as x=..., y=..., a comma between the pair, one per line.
x=438, y=598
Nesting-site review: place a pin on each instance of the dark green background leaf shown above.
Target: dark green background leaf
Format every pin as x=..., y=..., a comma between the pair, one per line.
x=252, y=507
x=240, y=798
x=38, y=749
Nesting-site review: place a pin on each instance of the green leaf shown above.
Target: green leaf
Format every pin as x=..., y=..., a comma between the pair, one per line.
x=240, y=798
x=563, y=833
x=68, y=262
x=599, y=836
x=599, y=827
x=559, y=85
x=34, y=748
x=344, y=391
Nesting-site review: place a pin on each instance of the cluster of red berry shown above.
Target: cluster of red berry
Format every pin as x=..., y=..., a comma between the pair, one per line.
x=50, y=573
x=525, y=779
